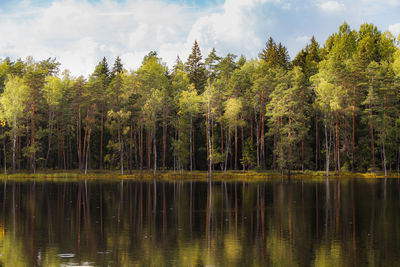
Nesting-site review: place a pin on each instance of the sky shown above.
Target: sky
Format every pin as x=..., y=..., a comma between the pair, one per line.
x=79, y=33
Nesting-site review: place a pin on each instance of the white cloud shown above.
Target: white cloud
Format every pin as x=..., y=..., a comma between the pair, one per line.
x=80, y=33
x=303, y=39
x=392, y=2
x=383, y=2
x=331, y=6
x=287, y=6
x=395, y=29
x=24, y=3
x=234, y=27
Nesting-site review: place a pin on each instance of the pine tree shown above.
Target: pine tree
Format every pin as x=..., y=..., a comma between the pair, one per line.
x=116, y=114
x=99, y=82
x=275, y=55
x=211, y=63
x=117, y=68
x=288, y=111
x=195, y=68
x=34, y=77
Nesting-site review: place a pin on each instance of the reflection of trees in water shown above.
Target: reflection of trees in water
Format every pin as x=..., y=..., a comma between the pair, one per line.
x=296, y=223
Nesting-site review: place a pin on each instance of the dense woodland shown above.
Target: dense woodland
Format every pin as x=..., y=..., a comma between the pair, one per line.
x=333, y=107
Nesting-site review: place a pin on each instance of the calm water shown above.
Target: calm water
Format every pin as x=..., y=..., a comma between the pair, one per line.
x=274, y=223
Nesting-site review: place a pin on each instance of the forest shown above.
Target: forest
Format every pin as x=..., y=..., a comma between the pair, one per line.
x=334, y=107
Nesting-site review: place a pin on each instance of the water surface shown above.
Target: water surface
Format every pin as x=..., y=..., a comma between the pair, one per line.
x=351, y=222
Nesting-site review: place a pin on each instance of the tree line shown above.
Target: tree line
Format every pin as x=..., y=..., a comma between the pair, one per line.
x=333, y=107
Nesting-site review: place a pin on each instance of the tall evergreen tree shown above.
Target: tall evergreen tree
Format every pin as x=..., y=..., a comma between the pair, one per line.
x=275, y=54
x=99, y=81
x=195, y=68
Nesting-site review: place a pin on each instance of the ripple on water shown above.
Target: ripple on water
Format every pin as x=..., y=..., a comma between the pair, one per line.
x=103, y=252
x=76, y=265
x=66, y=255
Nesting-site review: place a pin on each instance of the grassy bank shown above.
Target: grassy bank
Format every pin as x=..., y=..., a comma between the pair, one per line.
x=185, y=175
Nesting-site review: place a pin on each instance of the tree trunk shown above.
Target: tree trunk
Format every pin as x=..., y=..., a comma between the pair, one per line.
x=86, y=139
x=130, y=148
x=236, y=148
x=84, y=145
x=212, y=142
x=194, y=149
x=63, y=142
x=209, y=141
x=228, y=144
x=164, y=142
x=79, y=135
x=141, y=147
x=122, y=156
x=121, y=146
x=384, y=156
x=289, y=161
x=262, y=111
x=316, y=141
x=383, y=136
x=135, y=145
x=353, y=139
x=27, y=144
x=69, y=151
x=148, y=141
x=243, y=164
x=327, y=152
x=58, y=142
x=191, y=147
x=175, y=153
x=87, y=150
x=251, y=129
x=101, y=137
x=14, y=144
x=302, y=154
x=334, y=148
x=33, y=155
x=154, y=152
x=337, y=144
x=49, y=137
x=371, y=131
x=274, y=164
x=222, y=141
x=257, y=138
x=4, y=151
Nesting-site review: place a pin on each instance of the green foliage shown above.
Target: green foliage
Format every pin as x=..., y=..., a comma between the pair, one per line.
x=275, y=55
x=13, y=100
x=188, y=107
x=195, y=68
x=340, y=99
x=287, y=112
x=249, y=155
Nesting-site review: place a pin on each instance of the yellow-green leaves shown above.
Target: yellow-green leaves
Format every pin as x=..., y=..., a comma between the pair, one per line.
x=13, y=100
x=233, y=109
x=396, y=63
x=189, y=101
x=52, y=90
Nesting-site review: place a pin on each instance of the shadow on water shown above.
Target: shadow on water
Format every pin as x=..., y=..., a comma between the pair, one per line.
x=274, y=223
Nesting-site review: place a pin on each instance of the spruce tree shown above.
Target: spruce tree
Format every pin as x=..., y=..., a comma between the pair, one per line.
x=195, y=68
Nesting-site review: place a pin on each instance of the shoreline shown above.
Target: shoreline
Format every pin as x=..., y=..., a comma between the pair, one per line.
x=168, y=175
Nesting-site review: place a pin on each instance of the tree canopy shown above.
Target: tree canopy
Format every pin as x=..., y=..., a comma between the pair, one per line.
x=334, y=107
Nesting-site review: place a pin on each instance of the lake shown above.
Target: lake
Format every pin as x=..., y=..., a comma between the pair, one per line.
x=346, y=222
